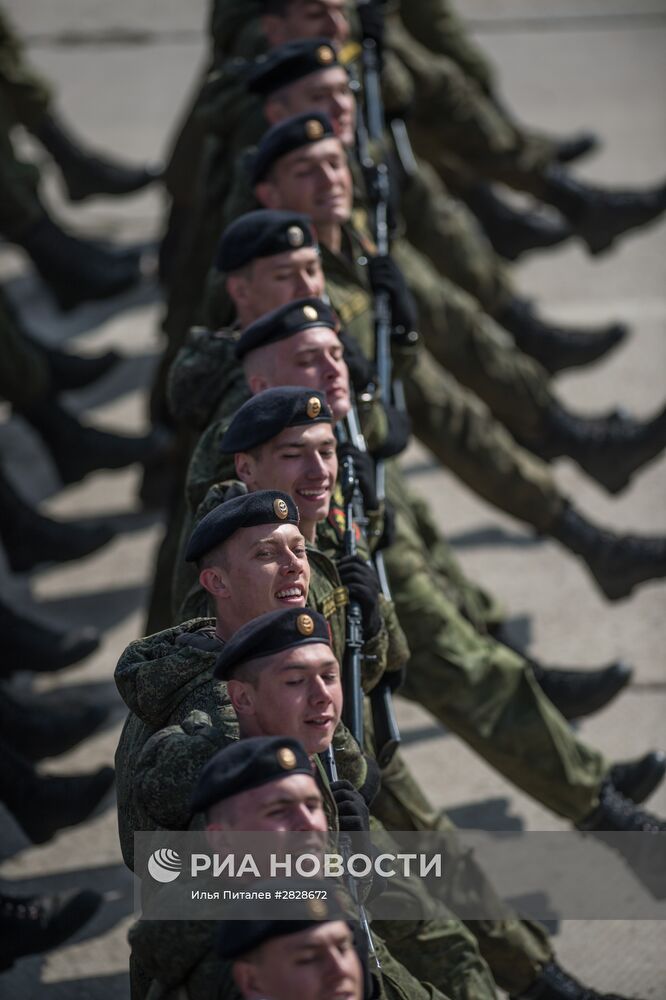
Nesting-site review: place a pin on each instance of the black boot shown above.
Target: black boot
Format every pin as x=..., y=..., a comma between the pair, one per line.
x=557, y=347
x=576, y=693
x=44, y=804
x=78, y=450
x=553, y=983
x=49, y=725
x=31, y=925
x=86, y=174
x=575, y=148
x=618, y=563
x=77, y=270
x=637, y=779
x=28, y=645
x=70, y=371
x=512, y=232
x=600, y=216
x=30, y=539
x=645, y=856
x=610, y=449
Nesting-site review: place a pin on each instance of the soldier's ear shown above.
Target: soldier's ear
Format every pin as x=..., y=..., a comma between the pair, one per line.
x=238, y=289
x=247, y=979
x=245, y=468
x=241, y=696
x=268, y=195
x=213, y=580
x=257, y=383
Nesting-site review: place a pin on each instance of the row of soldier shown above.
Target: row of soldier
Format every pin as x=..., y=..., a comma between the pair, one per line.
x=256, y=521
x=270, y=397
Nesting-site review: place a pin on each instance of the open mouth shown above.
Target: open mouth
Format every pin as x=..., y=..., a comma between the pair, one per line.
x=314, y=494
x=293, y=594
x=320, y=722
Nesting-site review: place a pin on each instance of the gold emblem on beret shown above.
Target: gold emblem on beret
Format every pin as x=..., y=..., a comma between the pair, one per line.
x=281, y=509
x=324, y=54
x=295, y=236
x=305, y=624
x=317, y=909
x=313, y=129
x=313, y=409
x=310, y=312
x=286, y=758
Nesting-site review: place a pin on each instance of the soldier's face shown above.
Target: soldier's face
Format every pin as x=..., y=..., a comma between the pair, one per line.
x=314, y=180
x=274, y=281
x=308, y=19
x=312, y=358
x=292, y=804
x=327, y=91
x=300, y=461
x=262, y=568
x=319, y=963
x=297, y=693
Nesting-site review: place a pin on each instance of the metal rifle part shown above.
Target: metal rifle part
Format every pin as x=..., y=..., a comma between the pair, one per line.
x=352, y=674
x=387, y=734
x=327, y=757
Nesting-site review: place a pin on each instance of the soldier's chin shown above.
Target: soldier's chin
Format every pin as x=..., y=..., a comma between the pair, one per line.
x=340, y=405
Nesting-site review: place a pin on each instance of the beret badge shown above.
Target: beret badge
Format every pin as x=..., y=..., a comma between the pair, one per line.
x=314, y=129
x=286, y=758
x=305, y=624
x=295, y=236
x=281, y=509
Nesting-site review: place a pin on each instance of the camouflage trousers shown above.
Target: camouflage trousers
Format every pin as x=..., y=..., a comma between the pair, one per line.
x=466, y=438
x=480, y=689
x=475, y=350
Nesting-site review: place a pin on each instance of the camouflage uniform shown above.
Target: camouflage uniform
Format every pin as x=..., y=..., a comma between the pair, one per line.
x=179, y=717
x=449, y=420
x=515, y=949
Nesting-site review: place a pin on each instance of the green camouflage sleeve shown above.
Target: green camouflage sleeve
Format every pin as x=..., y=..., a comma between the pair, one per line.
x=169, y=766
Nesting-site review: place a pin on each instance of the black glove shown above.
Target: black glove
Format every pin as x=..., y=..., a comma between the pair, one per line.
x=364, y=467
x=353, y=813
x=361, y=371
x=363, y=586
x=397, y=435
x=386, y=276
x=372, y=16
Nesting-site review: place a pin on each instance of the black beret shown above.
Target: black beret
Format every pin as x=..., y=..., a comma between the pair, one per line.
x=285, y=137
x=234, y=938
x=265, y=415
x=285, y=321
x=262, y=507
x=248, y=764
x=271, y=633
x=290, y=62
x=263, y=233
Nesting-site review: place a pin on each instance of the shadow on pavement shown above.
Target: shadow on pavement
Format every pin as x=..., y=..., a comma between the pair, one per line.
x=101, y=608
x=41, y=317
x=488, y=814
x=493, y=537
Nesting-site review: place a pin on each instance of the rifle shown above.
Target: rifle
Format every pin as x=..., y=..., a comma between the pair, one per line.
x=353, y=691
x=327, y=758
x=387, y=734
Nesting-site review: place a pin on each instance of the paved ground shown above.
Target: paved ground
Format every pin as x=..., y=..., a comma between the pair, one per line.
x=122, y=73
